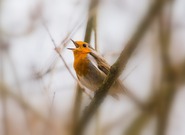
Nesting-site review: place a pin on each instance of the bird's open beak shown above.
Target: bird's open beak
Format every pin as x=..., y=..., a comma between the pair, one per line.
x=76, y=45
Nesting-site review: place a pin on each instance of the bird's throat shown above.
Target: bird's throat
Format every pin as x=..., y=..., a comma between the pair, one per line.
x=81, y=63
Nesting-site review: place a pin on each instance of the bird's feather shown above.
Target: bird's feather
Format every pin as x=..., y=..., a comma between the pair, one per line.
x=105, y=67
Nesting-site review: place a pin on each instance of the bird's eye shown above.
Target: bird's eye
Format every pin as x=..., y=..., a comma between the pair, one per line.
x=84, y=45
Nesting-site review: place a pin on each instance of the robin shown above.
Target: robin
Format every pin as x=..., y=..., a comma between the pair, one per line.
x=92, y=69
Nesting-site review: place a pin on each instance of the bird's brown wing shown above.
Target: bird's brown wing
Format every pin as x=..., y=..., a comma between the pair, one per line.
x=105, y=67
x=101, y=62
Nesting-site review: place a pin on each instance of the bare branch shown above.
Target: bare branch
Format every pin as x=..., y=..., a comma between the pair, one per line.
x=167, y=88
x=87, y=38
x=21, y=101
x=119, y=65
x=65, y=63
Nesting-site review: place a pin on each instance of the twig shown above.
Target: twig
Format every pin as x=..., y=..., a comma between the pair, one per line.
x=138, y=124
x=162, y=100
x=52, y=103
x=17, y=80
x=58, y=52
x=97, y=115
x=21, y=101
x=127, y=75
x=65, y=41
x=76, y=107
x=167, y=87
x=4, y=113
x=47, y=129
x=118, y=121
x=3, y=97
x=118, y=66
x=87, y=38
x=95, y=33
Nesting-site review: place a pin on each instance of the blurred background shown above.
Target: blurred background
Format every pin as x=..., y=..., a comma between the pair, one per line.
x=38, y=94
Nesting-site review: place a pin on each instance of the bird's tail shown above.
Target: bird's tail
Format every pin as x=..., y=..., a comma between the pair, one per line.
x=126, y=92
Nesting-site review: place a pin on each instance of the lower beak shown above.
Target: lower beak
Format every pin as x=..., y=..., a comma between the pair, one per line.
x=71, y=49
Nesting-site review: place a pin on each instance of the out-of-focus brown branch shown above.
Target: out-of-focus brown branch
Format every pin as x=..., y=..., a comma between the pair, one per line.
x=119, y=65
x=95, y=33
x=3, y=98
x=78, y=98
x=35, y=15
x=105, y=67
x=167, y=88
x=97, y=115
x=18, y=84
x=21, y=101
x=77, y=106
x=65, y=63
x=3, y=48
x=91, y=20
x=138, y=124
x=179, y=70
x=118, y=121
x=160, y=103
x=66, y=40
x=4, y=112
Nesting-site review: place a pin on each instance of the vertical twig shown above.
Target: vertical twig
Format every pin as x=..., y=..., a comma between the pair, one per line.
x=119, y=65
x=47, y=129
x=95, y=33
x=167, y=87
x=78, y=97
x=76, y=108
x=57, y=49
x=97, y=115
x=3, y=95
x=3, y=99
x=138, y=124
x=12, y=65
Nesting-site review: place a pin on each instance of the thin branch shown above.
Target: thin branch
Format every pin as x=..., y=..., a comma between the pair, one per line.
x=129, y=73
x=17, y=80
x=95, y=33
x=65, y=63
x=47, y=130
x=97, y=132
x=4, y=113
x=118, y=66
x=58, y=51
x=3, y=94
x=87, y=38
x=65, y=41
x=21, y=101
x=167, y=87
x=76, y=107
x=138, y=124
x=122, y=120
x=159, y=103
x=52, y=103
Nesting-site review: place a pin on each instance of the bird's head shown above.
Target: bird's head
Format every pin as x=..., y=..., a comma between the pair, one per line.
x=81, y=47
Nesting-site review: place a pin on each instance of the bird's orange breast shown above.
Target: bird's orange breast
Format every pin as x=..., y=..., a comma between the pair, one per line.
x=81, y=63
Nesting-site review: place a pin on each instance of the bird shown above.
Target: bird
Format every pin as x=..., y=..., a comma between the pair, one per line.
x=91, y=69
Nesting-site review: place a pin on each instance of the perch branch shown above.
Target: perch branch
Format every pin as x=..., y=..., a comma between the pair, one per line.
x=118, y=66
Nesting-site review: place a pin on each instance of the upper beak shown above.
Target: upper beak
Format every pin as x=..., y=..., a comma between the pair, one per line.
x=74, y=44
